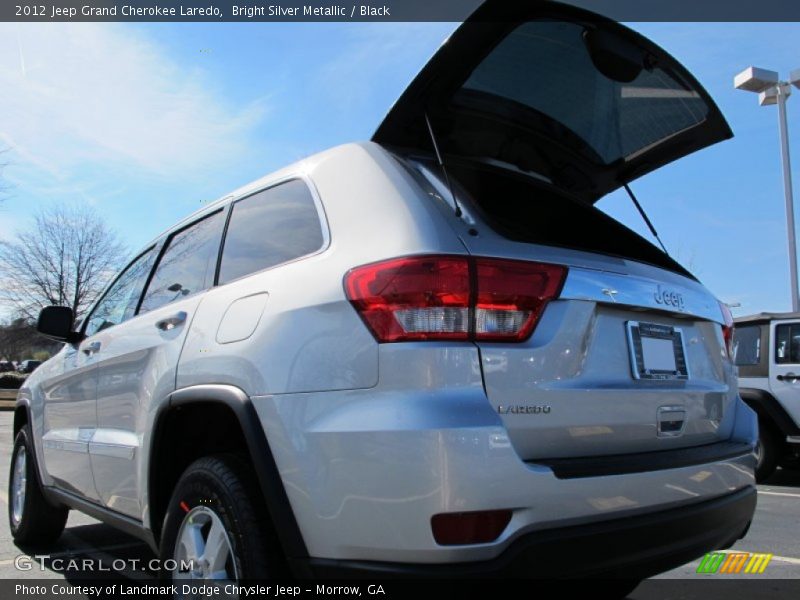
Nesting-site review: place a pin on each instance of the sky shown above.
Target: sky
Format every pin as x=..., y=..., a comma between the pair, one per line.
x=146, y=122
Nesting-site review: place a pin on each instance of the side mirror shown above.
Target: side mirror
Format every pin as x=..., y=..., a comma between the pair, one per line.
x=56, y=323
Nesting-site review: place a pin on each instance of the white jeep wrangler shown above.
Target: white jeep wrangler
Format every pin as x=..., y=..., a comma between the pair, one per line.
x=767, y=353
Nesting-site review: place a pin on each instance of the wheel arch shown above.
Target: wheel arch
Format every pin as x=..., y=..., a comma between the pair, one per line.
x=21, y=416
x=235, y=403
x=767, y=406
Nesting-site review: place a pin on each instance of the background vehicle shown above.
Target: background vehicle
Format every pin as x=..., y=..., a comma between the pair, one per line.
x=28, y=366
x=367, y=362
x=767, y=353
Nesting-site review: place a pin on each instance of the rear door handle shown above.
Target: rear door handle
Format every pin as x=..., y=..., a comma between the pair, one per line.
x=788, y=377
x=92, y=348
x=171, y=322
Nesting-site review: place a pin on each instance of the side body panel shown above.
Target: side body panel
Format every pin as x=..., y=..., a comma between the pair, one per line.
x=66, y=393
x=303, y=335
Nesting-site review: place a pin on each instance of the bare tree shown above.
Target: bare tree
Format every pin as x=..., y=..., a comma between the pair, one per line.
x=15, y=337
x=65, y=257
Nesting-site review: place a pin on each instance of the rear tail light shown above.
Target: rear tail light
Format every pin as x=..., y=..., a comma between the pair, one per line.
x=727, y=328
x=452, y=297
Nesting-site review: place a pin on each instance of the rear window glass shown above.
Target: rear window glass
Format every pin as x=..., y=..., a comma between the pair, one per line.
x=747, y=345
x=271, y=227
x=544, y=66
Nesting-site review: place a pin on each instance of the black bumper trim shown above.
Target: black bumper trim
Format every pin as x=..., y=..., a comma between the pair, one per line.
x=633, y=547
x=622, y=464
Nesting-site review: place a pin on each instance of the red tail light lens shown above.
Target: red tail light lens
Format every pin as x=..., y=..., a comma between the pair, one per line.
x=512, y=295
x=452, y=297
x=413, y=298
x=727, y=328
x=479, y=527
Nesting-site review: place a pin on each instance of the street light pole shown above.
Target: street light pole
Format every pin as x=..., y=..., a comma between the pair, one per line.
x=771, y=90
x=783, y=93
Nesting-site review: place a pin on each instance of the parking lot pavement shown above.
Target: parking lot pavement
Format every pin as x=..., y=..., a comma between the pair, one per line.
x=775, y=530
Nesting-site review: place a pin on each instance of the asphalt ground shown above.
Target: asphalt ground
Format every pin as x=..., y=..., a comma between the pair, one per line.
x=775, y=530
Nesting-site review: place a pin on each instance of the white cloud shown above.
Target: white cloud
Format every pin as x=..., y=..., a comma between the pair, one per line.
x=109, y=95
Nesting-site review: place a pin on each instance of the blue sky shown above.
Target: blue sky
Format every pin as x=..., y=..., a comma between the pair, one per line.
x=147, y=121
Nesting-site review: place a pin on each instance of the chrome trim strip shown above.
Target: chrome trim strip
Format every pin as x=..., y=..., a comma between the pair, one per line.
x=116, y=443
x=618, y=289
x=111, y=450
x=65, y=445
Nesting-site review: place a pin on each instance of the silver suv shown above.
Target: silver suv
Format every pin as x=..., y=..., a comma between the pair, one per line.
x=428, y=354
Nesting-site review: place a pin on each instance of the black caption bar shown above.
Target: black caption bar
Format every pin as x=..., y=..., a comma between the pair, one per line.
x=245, y=10
x=379, y=10
x=654, y=589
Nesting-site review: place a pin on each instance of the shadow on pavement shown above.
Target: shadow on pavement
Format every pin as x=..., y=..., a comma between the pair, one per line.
x=785, y=477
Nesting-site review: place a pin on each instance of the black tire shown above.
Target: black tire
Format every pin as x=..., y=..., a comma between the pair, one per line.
x=40, y=523
x=768, y=451
x=226, y=485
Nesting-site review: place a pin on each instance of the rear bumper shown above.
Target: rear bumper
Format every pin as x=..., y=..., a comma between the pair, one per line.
x=634, y=547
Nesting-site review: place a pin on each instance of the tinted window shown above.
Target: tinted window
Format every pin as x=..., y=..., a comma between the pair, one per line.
x=187, y=265
x=747, y=345
x=544, y=68
x=787, y=344
x=269, y=228
x=119, y=303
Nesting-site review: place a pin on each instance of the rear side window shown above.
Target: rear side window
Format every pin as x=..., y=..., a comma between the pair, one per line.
x=787, y=344
x=119, y=303
x=271, y=227
x=747, y=345
x=187, y=265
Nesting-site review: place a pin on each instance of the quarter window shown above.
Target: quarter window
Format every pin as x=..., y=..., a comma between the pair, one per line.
x=787, y=344
x=187, y=265
x=119, y=302
x=747, y=345
x=271, y=227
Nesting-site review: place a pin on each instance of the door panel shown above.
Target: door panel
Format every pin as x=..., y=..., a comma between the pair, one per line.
x=69, y=388
x=136, y=367
x=784, y=368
